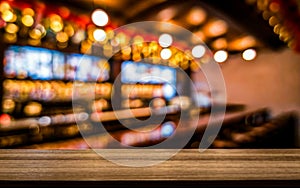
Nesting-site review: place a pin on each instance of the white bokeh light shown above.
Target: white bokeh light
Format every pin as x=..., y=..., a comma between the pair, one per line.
x=165, y=40
x=99, y=17
x=99, y=35
x=165, y=53
x=249, y=54
x=220, y=56
x=198, y=51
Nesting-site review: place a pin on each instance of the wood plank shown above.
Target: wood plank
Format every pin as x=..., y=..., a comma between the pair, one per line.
x=188, y=164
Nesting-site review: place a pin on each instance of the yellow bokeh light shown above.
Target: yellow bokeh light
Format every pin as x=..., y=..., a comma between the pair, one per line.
x=35, y=34
x=138, y=39
x=126, y=50
x=62, y=37
x=7, y=15
x=27, y=20
x=34, y=42
x=110, y=34
x=56, y=26
x=10, y=38
x=55, y=17
x=4, y=6
x=11, y=28
x=28, y=11
x=69, y=30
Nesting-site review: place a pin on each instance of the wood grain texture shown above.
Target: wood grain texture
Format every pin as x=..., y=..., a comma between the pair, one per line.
x=186, y=165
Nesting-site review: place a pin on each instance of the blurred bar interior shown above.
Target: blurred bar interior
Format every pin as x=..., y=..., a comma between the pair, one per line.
x=69, y=80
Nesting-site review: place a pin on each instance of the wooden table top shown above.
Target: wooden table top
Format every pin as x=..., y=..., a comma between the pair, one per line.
x=188, y=165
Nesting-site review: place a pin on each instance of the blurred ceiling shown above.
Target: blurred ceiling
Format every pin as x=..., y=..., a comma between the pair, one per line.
x=235, y=25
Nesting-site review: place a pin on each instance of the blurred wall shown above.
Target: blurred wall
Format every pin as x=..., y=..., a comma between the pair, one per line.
x=271, y=80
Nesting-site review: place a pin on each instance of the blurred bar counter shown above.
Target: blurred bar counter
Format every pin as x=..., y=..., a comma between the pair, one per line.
x=251, y=128
x=188, y=168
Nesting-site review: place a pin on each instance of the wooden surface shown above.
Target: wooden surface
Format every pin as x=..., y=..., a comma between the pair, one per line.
x=214, y=166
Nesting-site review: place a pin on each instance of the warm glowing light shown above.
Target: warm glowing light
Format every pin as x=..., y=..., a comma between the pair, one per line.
x=64, y=12
x=99, y=35
x=99, y=17
x=220, y=56
x=126, y=50
x=136, y=57
x=122, y=38
x=28, y=11
x=277, y=28
x=5, y=120
x=158, y=102
x=10, y=38
x=274, y=7
x=166, y=14
x=215, y=28
x=4, y=6
x=198, y=51
x=273, y=21
x=33, y=108
x=110, y=34
x=242, y=43
x=69, y=30
x=35, y=34
x=11, y=28
x=27, y=20
x=249, y=54
x=284, y=35
x=196, y=16
x=90, y=32
x=195, y=67
x=85, y=46
x=262, y=5
x=220, y=43
x=266, y=14
x=165, y=53
x=138, y=40
x=165, y=40
x=153, y=46
x=56, y=23
x=55, y=17
x=198, y=37
x=56, y=26
x=8, y=105
x=34, y=42
x=7, y=15
x=62, y=37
